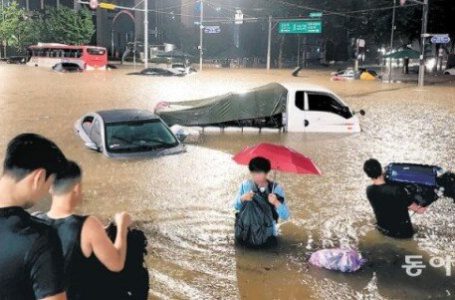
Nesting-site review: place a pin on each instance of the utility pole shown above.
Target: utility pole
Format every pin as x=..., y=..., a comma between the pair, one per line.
x=391, y=38
x=298, y=50
x=3, y=19
x=269, y=43
x=146, y=34
x=421, y=81
x=201, y=32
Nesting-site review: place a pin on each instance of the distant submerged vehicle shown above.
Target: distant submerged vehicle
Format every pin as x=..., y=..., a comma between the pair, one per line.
x=49, y=54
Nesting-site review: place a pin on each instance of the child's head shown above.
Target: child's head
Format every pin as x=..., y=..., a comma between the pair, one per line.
x=68, y=183
x=259, y=168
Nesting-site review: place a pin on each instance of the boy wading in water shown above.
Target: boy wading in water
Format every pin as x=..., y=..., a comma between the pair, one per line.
x=83, y=237
x=258, y=225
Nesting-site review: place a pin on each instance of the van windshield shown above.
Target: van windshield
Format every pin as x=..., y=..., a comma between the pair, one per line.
x=326, y=103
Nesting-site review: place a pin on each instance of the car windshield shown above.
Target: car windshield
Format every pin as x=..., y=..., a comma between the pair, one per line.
x=139, y=136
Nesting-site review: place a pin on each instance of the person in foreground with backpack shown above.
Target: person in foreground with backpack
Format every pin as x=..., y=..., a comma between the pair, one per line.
x=260, y=203
x=84, y=240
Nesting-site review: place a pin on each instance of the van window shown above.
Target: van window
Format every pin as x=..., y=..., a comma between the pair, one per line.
x=326, y=103
x=300, y=100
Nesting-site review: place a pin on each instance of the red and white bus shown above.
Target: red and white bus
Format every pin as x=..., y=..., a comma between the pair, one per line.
x=50, y=54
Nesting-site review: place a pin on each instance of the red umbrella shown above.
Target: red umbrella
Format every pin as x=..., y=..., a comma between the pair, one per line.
x=282, y=158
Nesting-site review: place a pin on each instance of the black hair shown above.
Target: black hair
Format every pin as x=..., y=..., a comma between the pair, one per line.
x=259, y=164
x=28, y=152
x=67, y=178
x=372, y=168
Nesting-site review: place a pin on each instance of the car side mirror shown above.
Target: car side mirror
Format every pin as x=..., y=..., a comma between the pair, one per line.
x=181, y=136
x=92, y=146
x=360, y=112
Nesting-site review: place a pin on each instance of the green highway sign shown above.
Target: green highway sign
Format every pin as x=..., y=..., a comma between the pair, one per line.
x=301, y=26
x=316, y=14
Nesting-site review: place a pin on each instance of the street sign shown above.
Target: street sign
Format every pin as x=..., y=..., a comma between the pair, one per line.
x=304, y=26
x=238, y=17
x=440, y=39
x=212, y=29
x=315, y=14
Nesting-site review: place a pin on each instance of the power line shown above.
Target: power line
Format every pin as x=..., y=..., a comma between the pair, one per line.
x=378, y=9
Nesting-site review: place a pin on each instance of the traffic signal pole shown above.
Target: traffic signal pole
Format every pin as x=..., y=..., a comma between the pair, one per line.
x=111, y=6
x=421, y=81
x=269, y=43
x=391, y=38
x=201, y=33
x=146, y=34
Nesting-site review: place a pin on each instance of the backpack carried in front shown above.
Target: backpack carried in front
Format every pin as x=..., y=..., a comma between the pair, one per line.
x=254, y=223
x=132, y=283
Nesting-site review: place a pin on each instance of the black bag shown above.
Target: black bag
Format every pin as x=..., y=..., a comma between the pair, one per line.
x=132, y=283
x=255, y=221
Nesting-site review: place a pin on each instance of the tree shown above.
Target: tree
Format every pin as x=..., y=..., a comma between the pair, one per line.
x=67, y=26
x=17, y=28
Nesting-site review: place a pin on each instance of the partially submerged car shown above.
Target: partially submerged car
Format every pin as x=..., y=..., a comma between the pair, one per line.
x=156, y=71
x=16, y=60
x=347, y=74
x=351, y=74
x=181, y=67
x=127, y=133
x=67, y=67
x=450, y=71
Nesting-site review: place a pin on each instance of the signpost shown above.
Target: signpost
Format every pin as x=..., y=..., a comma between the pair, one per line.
x=300, y=26
x=440, y=39
x=212, y=29
x=293, y=26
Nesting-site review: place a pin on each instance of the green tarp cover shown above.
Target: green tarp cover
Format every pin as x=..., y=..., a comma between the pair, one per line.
x=261, y=102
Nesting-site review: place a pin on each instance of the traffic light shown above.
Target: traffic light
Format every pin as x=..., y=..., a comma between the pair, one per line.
x=108, y=6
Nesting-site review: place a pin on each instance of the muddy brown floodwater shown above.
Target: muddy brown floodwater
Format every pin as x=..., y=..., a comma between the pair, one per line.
x=183, y=202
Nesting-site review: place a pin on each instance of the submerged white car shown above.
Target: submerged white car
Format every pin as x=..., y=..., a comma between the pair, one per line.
x=450, y=71
x=124, y=133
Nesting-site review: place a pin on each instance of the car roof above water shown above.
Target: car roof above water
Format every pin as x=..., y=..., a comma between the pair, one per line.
x=126, y=115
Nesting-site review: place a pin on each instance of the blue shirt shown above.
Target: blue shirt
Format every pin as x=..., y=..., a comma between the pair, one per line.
x=282, y=210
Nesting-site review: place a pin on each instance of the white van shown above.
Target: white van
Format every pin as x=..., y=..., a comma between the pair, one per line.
x=293, y=107
x=311, y=108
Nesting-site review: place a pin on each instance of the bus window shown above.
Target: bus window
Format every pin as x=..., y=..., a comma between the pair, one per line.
x=95, y=51
x=326, y=103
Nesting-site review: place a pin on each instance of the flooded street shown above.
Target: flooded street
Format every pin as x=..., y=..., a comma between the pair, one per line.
x=184, y=202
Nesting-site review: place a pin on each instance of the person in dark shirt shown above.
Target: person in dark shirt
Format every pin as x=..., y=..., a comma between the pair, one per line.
x=83, y=238
x=390, y=203
x=31, y=260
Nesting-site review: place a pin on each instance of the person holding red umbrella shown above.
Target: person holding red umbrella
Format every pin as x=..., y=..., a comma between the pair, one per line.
x=260, y=203
x=260, y=184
